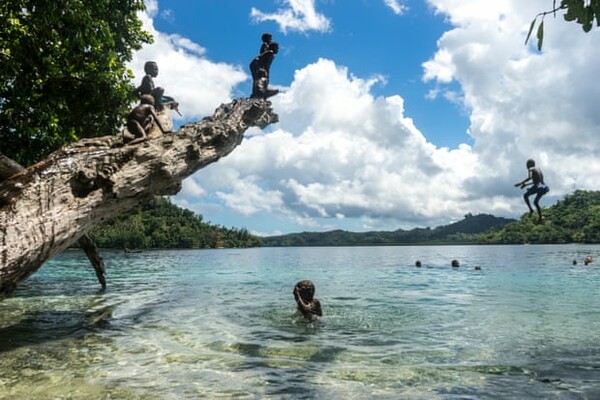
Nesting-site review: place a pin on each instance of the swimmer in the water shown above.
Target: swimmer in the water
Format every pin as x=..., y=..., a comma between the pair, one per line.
x=308, y=305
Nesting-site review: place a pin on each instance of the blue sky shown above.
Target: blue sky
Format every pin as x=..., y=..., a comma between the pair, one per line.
x=393, y=50
x=394, y=114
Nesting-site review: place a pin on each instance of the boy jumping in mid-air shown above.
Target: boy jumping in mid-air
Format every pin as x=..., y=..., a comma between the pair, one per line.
x=538, y=187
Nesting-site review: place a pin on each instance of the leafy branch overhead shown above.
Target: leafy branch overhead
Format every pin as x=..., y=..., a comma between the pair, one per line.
x=63, y=73
x=581, y=11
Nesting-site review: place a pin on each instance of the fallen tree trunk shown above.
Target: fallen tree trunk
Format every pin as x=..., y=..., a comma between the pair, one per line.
x=51, y=205
x=9, y=168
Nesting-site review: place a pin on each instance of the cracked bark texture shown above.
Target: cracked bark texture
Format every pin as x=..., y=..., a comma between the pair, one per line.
x=51, y=205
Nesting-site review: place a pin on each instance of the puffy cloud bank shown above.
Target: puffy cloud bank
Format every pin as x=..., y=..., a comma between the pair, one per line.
x=522, y=103
x=339, y=152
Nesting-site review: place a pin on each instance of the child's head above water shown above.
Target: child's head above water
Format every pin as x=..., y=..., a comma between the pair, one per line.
x=306, y=290
x=308, y=305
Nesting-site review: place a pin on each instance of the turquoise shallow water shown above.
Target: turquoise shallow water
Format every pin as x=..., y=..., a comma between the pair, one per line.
x=222, y=324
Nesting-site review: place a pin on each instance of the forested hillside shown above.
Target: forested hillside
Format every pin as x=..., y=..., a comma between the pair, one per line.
x=463, y=231
x=159, y=224
x=575, y=219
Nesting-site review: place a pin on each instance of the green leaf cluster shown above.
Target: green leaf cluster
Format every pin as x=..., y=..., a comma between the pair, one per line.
x=159, y=224
x=583, y=12
x=63, y=72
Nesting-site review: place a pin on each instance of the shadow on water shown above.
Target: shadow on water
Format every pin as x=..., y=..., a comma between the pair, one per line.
x=35, y=293
x=292, y=374
x=285, y=352
x=564, y=375
x=41, y=327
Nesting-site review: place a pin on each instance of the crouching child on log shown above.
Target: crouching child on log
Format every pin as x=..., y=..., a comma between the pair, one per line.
x=141, y=119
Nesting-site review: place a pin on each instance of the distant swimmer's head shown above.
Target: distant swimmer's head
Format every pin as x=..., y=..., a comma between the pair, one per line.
x=455, y=264
x=530, y=163
x=477, y=268
x=418, y=263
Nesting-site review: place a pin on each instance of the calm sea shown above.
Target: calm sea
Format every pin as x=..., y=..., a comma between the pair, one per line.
x=222, y=324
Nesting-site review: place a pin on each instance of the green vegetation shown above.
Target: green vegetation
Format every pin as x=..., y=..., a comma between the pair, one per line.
x=463, y=231
x=162, y=225
x=63, y=73
x=575, y=219
x=579, y=11
x=159, y=224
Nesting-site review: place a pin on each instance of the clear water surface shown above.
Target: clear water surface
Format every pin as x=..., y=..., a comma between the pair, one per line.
x=222, y=324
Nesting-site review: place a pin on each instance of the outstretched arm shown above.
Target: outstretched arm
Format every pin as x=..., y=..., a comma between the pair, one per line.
x=523, y=183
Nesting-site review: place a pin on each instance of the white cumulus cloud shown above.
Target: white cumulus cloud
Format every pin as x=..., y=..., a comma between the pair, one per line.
x=298, y=15
x=396, y=6
x=522, y=103
x=339, y=152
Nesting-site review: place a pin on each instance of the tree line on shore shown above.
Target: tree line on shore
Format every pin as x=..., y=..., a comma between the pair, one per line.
x=160, y=224
x=573, y=219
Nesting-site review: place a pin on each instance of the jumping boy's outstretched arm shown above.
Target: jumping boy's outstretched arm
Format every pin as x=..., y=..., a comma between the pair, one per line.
x=524, y=181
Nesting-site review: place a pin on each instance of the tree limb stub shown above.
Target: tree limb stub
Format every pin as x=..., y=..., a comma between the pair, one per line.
x=8, y=167
x=49, y=206
x=93, y=254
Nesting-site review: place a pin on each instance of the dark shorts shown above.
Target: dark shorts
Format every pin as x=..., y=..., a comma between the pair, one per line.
x=539, y=190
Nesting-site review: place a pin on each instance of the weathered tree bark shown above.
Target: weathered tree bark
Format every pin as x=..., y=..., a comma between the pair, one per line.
x=51, y=205
x=8, y=168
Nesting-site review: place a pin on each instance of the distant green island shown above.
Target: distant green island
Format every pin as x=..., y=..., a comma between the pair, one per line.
x=159, y=224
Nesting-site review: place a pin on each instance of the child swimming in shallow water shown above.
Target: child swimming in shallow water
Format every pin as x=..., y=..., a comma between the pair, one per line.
x=308, y=305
